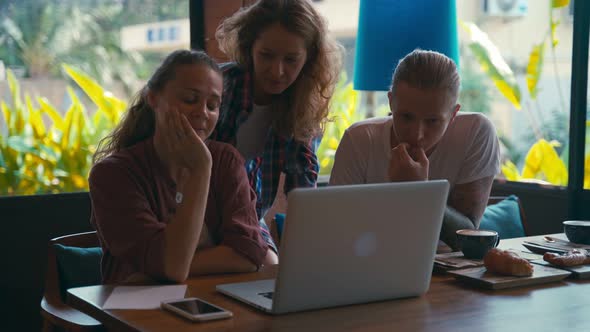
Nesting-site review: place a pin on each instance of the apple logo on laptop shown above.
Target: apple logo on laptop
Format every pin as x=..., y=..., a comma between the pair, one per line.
x=365, y=245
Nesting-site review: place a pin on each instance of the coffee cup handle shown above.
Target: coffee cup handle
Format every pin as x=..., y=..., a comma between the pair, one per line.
x=497, y=242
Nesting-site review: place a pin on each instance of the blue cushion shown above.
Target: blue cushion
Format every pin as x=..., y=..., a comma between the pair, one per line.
x=280, y=220
x=77, y=267
x=504, y=218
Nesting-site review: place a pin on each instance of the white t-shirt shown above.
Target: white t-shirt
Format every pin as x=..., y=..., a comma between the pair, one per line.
x=251, y=135
x=468, y=151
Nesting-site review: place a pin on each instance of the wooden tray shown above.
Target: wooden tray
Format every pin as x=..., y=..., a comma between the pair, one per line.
x=453, y=261
x=578, y=272
x=480, y=277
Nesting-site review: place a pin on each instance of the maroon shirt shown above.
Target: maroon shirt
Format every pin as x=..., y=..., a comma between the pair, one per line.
x=133, y=198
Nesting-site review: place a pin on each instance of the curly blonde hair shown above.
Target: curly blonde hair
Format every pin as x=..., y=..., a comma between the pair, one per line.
x=302, y=109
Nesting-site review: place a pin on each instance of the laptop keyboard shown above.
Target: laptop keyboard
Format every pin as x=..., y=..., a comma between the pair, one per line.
x=268, y=295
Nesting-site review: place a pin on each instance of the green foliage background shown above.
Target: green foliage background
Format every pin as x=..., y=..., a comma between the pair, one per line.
x=42, y=151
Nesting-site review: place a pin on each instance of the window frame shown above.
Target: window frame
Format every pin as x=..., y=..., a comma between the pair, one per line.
x=578, y=103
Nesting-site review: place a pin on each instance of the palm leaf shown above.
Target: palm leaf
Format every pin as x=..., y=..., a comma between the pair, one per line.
x=36, y=157
x=534, y=68
x=13, y=31
x=19, y=122
x=6, y=112
x=14, y=88
x=553, y=24
x=92, y=89
x=343, y=112
x=67, y=130
x=2, y=162
x=21, y=144
x=543, y=162
x=492, y=63
x=53, y=114
x=560, y=3
x=35, y=119
x=80, y=125
x=117, y=106
x=48, y=153
x=510, y=171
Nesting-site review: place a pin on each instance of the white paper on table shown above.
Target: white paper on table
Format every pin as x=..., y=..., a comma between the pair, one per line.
x=143, y=297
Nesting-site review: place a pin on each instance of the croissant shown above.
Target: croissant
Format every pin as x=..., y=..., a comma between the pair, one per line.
x=507, y=263
x=572, y=258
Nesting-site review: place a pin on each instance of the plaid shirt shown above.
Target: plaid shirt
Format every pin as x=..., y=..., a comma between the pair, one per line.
x=281, y=154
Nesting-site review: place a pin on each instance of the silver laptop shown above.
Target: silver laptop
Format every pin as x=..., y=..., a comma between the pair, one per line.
x=352, y=244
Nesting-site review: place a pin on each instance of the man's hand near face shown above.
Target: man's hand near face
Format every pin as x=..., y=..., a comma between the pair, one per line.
x=408, y=164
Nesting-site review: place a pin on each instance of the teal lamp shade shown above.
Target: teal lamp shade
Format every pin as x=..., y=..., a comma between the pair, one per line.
x=390, y=29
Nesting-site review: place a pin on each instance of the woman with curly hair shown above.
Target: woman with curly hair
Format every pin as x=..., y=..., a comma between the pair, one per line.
x=277, y=91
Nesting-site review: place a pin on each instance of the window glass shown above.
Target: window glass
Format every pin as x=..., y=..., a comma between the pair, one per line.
x=67, y=70
x=49, y=48
x=529, y=103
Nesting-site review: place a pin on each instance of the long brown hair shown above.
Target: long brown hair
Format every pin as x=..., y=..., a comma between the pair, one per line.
x=302, y=109
x=139, y=122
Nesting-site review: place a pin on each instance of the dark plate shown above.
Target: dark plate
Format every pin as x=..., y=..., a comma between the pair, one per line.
x=539, y=249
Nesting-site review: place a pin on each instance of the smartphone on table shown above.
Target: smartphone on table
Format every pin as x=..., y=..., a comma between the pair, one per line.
x=196, y=309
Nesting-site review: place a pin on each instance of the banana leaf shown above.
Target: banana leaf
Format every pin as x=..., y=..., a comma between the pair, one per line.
x=112, y=107
x=543, y=162
x=21, y=144
x=35, y=120
x=553, y=24
x=53, y=114
x=510, y=171
x=560, y=3
x=534, y=69
x=6, y=112
x=343, y=112
x=492, y=63
x=14, y=88
x=65, y=136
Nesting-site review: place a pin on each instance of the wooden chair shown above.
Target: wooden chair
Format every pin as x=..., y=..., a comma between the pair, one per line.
x=57, y=315
x=497, y=199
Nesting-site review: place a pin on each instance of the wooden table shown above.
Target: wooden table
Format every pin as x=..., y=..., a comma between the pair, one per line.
x=448, y=306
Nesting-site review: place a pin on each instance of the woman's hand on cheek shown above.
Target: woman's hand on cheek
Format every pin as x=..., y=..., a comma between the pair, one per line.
x=406, y=167
x=196, y=155
x=180, y=146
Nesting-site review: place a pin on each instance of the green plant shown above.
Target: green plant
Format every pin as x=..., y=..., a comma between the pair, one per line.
x=36, y=158
x=475, y=91
x=345, y=110
x=40, y=35
x=542, y=162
